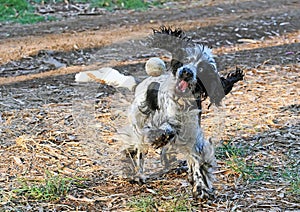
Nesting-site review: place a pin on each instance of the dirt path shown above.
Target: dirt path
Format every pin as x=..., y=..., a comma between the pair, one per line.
x=16, y=48
x=188, y=11
x=49, y=124
x=289, y=38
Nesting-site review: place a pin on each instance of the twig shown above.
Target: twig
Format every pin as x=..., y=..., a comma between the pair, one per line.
x=290, y=203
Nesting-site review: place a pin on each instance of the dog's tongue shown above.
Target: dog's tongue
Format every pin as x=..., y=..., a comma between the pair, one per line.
x=183, y=85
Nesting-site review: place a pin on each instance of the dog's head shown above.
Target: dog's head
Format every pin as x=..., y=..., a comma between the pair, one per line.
x=192, y=64
x=186, y=79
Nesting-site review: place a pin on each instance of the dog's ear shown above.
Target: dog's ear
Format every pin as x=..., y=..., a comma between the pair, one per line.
x=175, y=65
x=151, y=102
x=211, y=81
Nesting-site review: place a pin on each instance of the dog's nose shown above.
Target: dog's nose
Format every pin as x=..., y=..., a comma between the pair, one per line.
x=185, y=73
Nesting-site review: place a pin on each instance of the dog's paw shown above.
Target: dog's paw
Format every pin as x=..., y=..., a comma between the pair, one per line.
x=137, y=179
x=237, y=75
x=159, y=138
x=179, y=169
x=201, y=193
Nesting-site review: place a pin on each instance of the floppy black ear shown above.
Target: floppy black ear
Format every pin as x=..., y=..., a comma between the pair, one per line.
x=175, y=65
x=211, y=82
x=151, y=102
x=152, y=95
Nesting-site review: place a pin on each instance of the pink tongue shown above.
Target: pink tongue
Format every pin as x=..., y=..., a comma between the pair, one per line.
x=183, y=85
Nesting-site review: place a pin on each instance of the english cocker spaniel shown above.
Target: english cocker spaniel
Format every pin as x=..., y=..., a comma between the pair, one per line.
x=166, y=109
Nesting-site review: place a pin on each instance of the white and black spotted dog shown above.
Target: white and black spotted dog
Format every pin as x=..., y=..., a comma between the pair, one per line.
x=166, y=110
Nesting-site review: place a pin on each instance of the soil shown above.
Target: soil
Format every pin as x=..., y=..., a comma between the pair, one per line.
x=49, y=123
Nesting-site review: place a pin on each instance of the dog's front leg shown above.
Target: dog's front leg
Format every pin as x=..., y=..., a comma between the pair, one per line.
x=201, y=161
x=135, y=168
x=159, y=137
x=134, y=152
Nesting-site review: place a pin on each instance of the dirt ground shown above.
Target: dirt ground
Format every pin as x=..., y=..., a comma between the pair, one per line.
x=50, y=124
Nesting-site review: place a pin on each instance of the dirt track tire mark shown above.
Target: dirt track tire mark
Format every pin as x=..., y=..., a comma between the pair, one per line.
x=14, y=49
x=281, y=40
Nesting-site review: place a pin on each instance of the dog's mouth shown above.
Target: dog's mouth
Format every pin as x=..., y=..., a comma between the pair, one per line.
x=182, y=86
x=185, y=79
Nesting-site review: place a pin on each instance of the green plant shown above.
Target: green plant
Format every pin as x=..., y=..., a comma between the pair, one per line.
x=235, y=160
x=23, y=11
x=173, y=202
x=120, y=4
x=133, y=4
x=181, y=203
x=291, y=174
x=52, y=187
x=239, y=167
x=295, y=185
x=143, y=203
x=229, y=149
x=18, y=11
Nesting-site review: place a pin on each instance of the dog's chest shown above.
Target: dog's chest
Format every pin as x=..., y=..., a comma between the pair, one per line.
x=185, y=104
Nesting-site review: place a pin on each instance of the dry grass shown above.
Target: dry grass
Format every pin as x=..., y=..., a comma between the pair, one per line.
x=62, y=156
x=258, y=159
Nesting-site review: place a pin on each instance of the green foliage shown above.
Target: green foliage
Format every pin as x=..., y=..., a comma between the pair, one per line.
x=181, y=204
x=133, y=4
x=240, y=167
x=18, y=11
x=229, y=149
x=174, y=202
x=291, y=174
x=120, y=4
x=52, y=188
x=295, y=185
x=21, y=11
x=235, y=160
x=113, y=4
x=146, y=203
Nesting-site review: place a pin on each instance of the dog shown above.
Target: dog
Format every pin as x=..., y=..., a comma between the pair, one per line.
x=166, y=110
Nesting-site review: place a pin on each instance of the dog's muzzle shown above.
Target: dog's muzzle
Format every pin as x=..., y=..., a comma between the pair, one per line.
x=186, y=79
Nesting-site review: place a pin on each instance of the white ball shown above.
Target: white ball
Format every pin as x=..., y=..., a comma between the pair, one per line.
x=155, y=67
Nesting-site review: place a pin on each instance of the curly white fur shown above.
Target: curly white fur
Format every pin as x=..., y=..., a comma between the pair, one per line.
x=176, y=115
x=166, y=109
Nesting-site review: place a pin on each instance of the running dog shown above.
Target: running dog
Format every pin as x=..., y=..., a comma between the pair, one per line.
x=166, y=109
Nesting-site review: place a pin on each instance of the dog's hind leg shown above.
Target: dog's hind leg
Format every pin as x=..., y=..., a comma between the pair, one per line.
x=134, y=166
x=167, y=156
x=201, y=161
x=134, y=153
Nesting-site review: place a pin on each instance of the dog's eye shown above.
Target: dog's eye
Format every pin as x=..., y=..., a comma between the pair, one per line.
x=186, y=72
